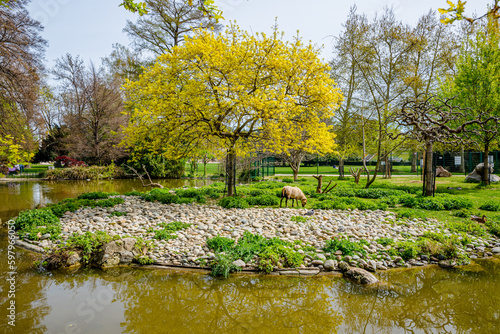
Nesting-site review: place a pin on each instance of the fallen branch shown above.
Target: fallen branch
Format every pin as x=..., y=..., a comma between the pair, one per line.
x=151, y=183
x=320, y=185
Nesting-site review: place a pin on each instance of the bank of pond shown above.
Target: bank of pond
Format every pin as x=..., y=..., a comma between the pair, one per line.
x=200, y=228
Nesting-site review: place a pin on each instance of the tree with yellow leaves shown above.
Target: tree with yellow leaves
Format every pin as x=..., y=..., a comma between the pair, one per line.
x=237, y=90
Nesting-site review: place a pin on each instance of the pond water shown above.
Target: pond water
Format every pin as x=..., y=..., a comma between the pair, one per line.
x=125, y=300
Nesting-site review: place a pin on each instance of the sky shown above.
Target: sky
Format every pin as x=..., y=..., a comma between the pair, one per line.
x=89, y=28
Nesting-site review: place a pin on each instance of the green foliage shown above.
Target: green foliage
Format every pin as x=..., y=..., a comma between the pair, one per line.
x=168, y=230
x=220, y=244
x=271, y=252
x=39, y=217
x=279, y=256
x=223, y=265
x=344, y=203
x=298, y=219
x=266, y=200
x=73, y=204
x=96, y=195
x=385, y=241
x=287, y=180
x=233, y=202
x=466, y=226
x=407, y=249
x=88, y=243
x=84, y=173
x=134, y=193
x=144, y=260
x=490, y=206
x=347, y=246
x=118, y=214
x=158, y=166
x=410, y=214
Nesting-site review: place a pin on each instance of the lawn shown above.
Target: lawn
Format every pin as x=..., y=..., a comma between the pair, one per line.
x=329, y=170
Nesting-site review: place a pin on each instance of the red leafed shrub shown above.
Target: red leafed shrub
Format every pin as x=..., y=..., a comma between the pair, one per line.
x=64, y=161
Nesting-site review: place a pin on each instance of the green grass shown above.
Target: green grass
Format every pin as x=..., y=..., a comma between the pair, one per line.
x=328, y=170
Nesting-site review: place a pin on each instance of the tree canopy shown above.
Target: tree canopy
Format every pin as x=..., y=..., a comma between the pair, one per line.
x=243, y=92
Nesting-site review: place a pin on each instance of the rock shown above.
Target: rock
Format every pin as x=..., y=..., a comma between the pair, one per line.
x=441, y=172
x=116, y=252
x=321, y=257
x=330, y=265
x=74, y=259
x=317, y=262
x=476, y=175
x=359, y=275
x=495, y=250
x=239, y=263
x=45, y=236
x=447, y=264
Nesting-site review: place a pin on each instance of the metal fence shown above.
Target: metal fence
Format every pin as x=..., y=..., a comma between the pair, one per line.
x=264, y=167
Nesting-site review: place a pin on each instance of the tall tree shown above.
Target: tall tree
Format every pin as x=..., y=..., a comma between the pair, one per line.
x=92, y=105
x=237, y=90
x=476, y=85
x=21, y=55
x=166, y=25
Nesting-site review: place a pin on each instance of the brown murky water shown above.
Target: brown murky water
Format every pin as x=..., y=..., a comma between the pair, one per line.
x=430, y=300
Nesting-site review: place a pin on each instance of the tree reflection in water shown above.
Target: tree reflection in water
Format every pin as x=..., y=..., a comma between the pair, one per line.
x=188, y=303
x=430, y=300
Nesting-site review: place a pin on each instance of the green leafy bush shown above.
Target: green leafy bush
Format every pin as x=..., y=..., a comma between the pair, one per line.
x=233, y=202
x=385, y=241
x=279, y=256
x=88, y=243
x=220, y=244
x=96, y=195
x=40, y=217
x=347, y=246
x=223, y=265
x=287, y=180
x=490, y=206
x=266, y=200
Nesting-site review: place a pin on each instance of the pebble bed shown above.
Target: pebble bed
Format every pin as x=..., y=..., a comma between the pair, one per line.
x=190, y=248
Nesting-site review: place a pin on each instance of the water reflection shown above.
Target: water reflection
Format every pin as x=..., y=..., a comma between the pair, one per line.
x=17, y=196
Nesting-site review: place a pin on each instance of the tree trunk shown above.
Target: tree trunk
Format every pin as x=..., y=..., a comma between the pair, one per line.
x=341, y=168
x=413, y=162
x=231, y=174
x=428, y=186
x=486, y=170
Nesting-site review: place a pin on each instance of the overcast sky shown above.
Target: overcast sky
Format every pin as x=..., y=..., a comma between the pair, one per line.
x=89, y=27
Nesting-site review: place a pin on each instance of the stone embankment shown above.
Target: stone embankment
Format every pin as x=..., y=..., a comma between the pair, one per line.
x=190, y=248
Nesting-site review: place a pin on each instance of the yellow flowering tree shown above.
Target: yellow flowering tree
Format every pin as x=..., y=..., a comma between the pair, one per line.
x=11, y=153
x=238, y=91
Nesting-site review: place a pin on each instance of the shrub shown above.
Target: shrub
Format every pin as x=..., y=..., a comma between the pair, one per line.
x=287, y=180
x=347, y=246
x=385, y=241
x=220, y=244
x=279, y=256
x=29, y=218
x=88, y=243
x=490, y=206
x=266, y=200
x=466, y=226
x=96, y=195
x=233, y=202
x=223, y=265
x=407, y=249
x=410, y=214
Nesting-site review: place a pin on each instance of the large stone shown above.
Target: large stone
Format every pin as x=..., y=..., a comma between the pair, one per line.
x=495, y=250
x=441, y=172
x=476, y=175
x=74, y=259
x=239, y=263
x=330, y=265
x=359, y=275
x=117, y=252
